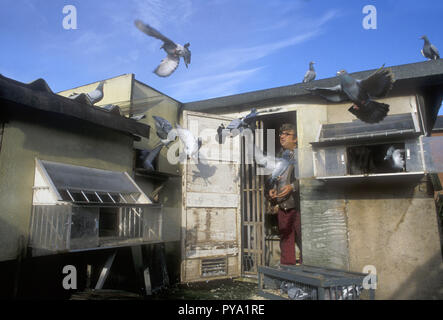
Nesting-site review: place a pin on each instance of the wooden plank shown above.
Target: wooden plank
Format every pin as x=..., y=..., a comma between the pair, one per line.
x=137, y=259
x=105, y=271
x=210, y=190
x=202, y=200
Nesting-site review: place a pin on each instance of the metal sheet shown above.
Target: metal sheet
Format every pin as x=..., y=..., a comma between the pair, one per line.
x=357, y=128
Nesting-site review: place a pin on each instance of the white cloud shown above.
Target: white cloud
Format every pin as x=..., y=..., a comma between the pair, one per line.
x=230, y=59
x=213, y=85
x=159, y=12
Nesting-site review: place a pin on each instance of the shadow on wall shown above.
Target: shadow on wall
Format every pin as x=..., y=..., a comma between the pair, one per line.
x=76, y=132
x=425, y=283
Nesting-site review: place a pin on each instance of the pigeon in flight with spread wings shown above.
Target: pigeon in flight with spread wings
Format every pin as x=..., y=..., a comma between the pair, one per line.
x=361, y=92
x=174, y=51
x=276, y=165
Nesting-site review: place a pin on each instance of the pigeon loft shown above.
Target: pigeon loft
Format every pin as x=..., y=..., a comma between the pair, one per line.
x=78, y=208
x=395, y=146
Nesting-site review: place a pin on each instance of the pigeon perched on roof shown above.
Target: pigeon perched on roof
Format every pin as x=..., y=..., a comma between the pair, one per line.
x=396, y=157
x=174, y=51
x=93, y=97
x=310, y=74
x=137, y=117
x=112, y=108
x=361, y=92
x=429, y=50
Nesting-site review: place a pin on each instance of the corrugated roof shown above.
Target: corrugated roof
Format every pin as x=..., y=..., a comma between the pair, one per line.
x=408, y=77
x=38, y=95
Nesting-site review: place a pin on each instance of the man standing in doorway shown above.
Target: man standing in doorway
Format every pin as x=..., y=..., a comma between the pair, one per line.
x=289, y=222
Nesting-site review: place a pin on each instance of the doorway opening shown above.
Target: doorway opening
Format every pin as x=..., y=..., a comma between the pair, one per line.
x=260, y=236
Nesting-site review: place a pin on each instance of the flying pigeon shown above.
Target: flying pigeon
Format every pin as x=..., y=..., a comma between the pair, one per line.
x=396, y=157
x=275, y=164
x=174, y=51
x=361, y=93
x=281, y=165
x=192, y=144
x=163, y=130
x=242, y=123
x=429, y=50
x=310, y=74
x=148, y=156
x=94, y=96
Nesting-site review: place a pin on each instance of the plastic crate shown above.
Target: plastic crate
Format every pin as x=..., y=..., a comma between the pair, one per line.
x=311, y=283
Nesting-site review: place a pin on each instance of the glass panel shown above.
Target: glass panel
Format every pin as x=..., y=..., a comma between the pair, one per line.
x=413, y=156
x=84, y=227
x=433, y=154
x=330, y=162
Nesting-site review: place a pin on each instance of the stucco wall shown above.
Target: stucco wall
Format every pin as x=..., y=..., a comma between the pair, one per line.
x=395, y=229
x=55, y=139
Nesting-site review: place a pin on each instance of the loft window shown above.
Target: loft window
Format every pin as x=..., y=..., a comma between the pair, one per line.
x=373, y=159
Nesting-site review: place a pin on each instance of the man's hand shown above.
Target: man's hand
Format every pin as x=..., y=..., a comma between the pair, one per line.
x=285, y=191
x=273, y=193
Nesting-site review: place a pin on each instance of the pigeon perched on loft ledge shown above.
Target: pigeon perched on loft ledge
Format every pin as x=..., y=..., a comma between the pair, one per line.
x=361, y=93
x=429, y=50
x=396, y=158
x=174, y=51
x=310, y=74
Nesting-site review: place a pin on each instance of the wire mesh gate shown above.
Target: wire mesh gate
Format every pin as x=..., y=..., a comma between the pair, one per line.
x=253, y=208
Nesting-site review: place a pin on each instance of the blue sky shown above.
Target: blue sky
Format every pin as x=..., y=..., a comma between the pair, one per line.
x=237, y=45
